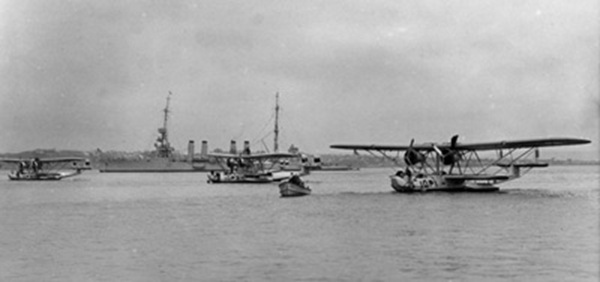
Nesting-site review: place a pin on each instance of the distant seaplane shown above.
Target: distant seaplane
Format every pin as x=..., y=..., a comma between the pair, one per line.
x=46, y=168
x=457, y=167
x=245, y=167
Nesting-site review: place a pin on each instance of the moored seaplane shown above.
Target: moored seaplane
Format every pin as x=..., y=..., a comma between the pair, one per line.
x=46, y=168
x=457, y=167
x=245, y=167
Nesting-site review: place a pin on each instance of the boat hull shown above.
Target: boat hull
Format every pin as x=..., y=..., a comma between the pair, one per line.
x=288, y=189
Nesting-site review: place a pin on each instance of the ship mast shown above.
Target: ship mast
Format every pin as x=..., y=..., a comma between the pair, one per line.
x=276, y=131
x=163, y=148
x=166, y=110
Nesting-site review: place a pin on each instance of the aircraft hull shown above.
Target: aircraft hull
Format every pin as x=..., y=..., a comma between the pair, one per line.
x=238, y=178
x=243, y=181
x=432, y=184
x=42, y=176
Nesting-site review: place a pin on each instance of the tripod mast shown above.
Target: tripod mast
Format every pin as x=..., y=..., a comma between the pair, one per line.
x=276, y=131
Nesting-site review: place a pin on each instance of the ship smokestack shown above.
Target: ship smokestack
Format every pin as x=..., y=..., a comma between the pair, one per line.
x=204, y=150
x=246, y=147
x=190, y=156
x=233, y=147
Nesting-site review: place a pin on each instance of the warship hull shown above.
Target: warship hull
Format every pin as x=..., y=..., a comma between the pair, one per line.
x=157, y=166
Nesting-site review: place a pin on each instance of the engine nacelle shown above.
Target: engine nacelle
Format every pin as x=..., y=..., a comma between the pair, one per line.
x=413, y=157
x=450, y=157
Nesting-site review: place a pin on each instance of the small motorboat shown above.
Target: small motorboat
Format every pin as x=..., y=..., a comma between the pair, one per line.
x=293, y=187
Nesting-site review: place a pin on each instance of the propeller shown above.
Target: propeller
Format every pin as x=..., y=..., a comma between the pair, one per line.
x=412, y=156
x=451, y=156
x=453, y=141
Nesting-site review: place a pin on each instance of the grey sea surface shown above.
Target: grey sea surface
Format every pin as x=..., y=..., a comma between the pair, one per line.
x=176, y=227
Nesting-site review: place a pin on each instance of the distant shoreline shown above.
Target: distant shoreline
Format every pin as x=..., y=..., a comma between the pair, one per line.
x=359, y=161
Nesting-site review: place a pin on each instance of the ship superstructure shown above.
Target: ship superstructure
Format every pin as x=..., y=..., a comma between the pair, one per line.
x=163, y=158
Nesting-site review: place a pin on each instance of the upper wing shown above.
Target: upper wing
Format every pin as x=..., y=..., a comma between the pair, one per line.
x=269, y=156
x=45, y=160
x=382, y=147
x=531, y=143
x=62, y=160
x=10, y=160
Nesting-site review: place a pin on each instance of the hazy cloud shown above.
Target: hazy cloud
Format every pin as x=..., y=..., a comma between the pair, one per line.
x=88, y=74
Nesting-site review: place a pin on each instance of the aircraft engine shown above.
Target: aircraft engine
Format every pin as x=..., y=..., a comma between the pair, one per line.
x=451, y=156
x=412, y=156
x=304, y=159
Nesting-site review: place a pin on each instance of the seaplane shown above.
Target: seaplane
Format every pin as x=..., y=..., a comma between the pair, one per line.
x=46, y=168
x=458, y=167
x=246, y=167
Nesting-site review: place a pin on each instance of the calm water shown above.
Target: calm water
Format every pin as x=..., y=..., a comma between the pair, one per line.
x=175, y=227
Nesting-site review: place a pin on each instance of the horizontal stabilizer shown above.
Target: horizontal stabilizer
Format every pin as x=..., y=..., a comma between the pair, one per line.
x=523, y=165
x=464, y=177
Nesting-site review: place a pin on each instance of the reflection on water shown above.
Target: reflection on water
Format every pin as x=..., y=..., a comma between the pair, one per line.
x=165, y=227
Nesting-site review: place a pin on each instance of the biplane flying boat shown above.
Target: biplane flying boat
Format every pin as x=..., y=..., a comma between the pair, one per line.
x=457, y=167
x=245, y=167
x=46, y=168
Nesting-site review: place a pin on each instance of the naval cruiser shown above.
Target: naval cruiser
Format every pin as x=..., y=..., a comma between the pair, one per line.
x=163, y=158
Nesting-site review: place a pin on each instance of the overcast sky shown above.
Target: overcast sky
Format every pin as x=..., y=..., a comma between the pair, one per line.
x=96, y=74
